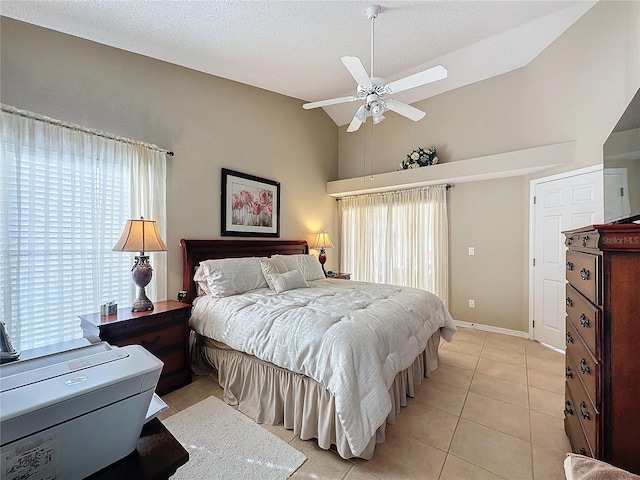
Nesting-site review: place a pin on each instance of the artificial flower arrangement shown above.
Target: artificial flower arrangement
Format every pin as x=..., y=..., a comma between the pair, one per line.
x=419, y=157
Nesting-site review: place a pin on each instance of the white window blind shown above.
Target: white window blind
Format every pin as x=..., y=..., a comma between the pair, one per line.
x=398, y=238
x=65, y=195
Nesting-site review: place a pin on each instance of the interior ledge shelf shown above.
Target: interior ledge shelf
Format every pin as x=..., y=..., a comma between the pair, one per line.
x=501, y=165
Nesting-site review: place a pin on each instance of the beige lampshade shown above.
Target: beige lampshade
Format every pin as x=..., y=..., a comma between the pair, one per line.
x=140, y=236
x=322, y=241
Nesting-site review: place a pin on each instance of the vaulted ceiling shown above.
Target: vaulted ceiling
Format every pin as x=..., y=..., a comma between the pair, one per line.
x=294, y=47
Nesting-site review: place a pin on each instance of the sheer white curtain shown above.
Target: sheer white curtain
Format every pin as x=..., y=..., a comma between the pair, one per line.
x=399, y=238
x=65, y=195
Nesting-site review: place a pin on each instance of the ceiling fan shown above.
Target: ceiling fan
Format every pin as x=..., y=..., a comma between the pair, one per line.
x=374, y=91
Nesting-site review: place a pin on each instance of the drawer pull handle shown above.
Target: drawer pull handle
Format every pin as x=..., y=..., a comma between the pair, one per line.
x=567, y=408
x=569, y=338
x=583, y=413
x=146, y=343
x=584, y=240
x=584, y=368
x=584, y=321
x=584, y=274
x=569, y=240
x=569, y=265
x=568, y=374
x=569, y=302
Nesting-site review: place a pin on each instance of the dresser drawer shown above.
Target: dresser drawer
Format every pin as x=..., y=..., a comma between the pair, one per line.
x=586, y=319
x=572, y=427
x=173, y=361
x=588, y=240
x=583, y=272
x=157, y=340
x=585, y=412
x=586, y=368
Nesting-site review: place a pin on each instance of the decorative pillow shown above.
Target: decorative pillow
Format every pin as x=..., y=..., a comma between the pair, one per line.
x=287, y=281
x=308, y=265
x=231, y=276
x=272, y=266
x=202, y=287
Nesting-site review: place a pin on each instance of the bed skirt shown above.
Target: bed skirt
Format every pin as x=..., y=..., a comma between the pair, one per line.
x=273, y=395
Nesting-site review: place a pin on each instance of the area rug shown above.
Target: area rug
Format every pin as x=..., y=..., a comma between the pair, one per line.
x=225, y=444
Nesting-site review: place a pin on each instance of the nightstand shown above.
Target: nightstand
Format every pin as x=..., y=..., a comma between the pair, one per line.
x=163, y=331
x=341, y=276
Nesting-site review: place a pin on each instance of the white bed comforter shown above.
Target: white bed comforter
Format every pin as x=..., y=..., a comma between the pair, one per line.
x=351, y=337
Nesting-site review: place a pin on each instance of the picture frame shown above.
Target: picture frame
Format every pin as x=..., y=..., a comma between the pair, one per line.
x=250, y=205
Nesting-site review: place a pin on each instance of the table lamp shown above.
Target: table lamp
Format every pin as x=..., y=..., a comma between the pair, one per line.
x=323, y=241
x=141, y=236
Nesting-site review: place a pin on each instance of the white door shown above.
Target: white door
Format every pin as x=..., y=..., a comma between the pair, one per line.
x=564, y=203
x=616, y=194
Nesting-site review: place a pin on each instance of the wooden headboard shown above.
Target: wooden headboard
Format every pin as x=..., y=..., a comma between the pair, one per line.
x=196, y=251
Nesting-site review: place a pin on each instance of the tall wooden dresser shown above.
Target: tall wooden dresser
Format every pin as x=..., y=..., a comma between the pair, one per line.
x=602, y=392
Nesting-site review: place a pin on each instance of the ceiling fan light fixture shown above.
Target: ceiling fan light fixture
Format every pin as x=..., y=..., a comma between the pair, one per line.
x=377, y=119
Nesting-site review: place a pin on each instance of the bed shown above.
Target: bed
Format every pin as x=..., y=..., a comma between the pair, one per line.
x=333, y=360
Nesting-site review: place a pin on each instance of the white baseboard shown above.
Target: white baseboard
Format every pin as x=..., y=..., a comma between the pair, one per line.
x=490, y=328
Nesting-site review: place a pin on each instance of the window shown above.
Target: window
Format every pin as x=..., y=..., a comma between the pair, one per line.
x=399, y=238
x=65, y=195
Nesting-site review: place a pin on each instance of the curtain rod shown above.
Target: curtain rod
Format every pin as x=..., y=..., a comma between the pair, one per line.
x=446, y=186
x=80, y=128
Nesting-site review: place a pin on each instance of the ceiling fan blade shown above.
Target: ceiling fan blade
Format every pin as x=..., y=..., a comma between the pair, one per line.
x=405, y=110
x=332, y=101
x=357, y=71
x=417, y=79
x=358, y=119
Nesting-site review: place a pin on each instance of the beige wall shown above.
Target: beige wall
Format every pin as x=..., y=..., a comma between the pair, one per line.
x=575, y=90
x=207, y=121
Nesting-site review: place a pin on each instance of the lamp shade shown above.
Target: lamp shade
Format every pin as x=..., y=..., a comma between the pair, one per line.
x=140, y=236
x=322, y=241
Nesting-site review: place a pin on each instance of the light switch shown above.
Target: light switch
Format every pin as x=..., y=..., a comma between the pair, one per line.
x=472, y=251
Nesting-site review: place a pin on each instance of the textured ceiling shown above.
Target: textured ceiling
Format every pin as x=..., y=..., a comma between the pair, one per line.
x=294, y=47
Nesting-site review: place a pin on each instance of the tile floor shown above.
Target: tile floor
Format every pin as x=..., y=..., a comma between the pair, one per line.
x=492, y=410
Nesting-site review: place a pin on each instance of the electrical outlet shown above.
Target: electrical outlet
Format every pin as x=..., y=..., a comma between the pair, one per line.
x=472, y=251
x=472, y=303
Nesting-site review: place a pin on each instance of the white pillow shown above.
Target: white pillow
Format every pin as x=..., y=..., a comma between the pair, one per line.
x=231, y=276
x=287, y=281
x=272, y=266
x=308, y=265
x=202, y=287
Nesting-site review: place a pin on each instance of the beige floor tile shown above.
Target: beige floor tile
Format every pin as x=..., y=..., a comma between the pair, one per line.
x=539, y=350
x=505, y=342
x=454, y=376
x=280, y=431
x=547, y=464
x=356, y=473
x=401, y=457
x=471, y=336
x=441, y=395
x=512, y=373
x=320, y=463
x=510, y=392
x=548, y=432
x=461, y=346
x=460, y=360
x=499, y=354
x=427, y=424
x=546, y=381
x=200, y=388
x=549, y=403
x=499, y=415
x=502, y=454
x=548, y=364
x=457, y=469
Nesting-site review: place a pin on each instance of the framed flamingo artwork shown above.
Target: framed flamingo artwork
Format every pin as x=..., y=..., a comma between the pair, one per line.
x=250, y=205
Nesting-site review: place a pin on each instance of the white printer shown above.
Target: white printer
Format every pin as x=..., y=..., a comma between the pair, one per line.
x=70, y=414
